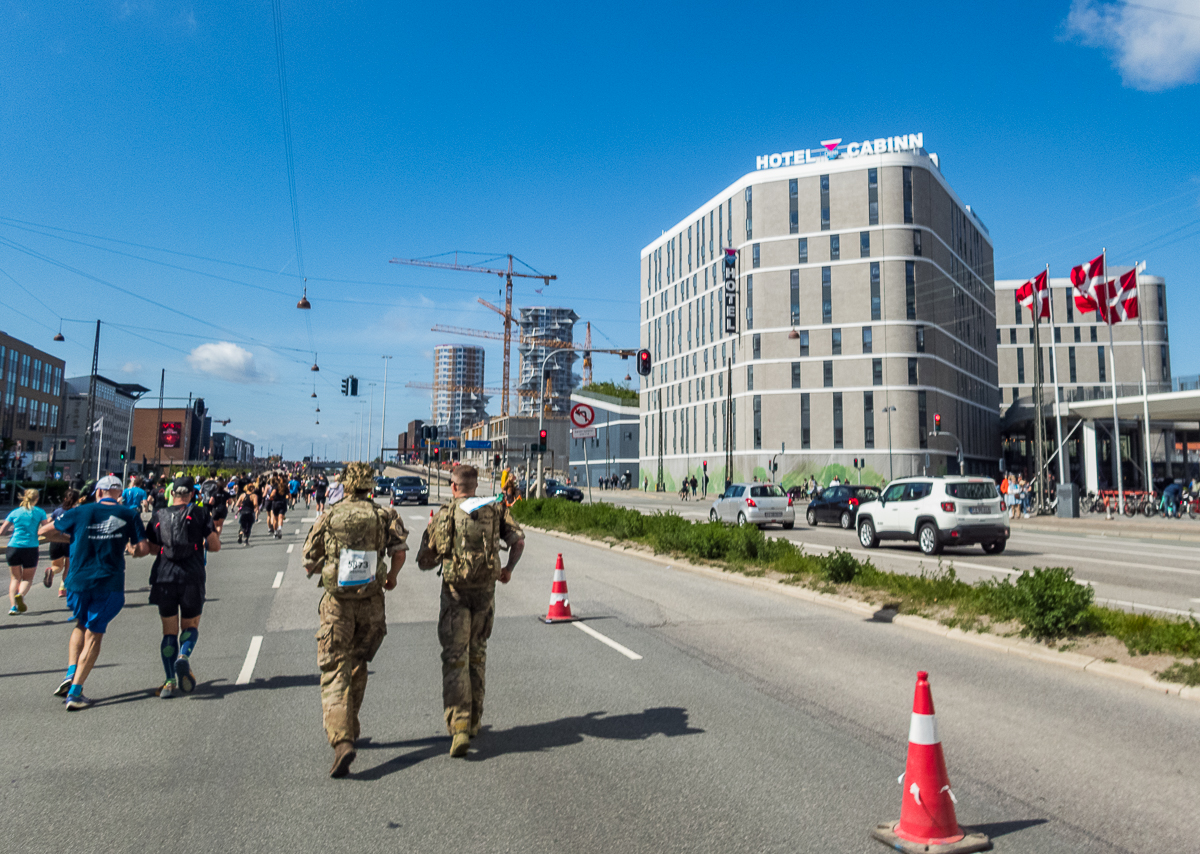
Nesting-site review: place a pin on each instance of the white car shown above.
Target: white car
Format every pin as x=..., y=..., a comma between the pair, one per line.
x=754, y=504
x=936, y=512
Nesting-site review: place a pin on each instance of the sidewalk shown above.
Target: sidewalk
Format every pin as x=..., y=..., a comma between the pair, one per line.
x=1126, y=527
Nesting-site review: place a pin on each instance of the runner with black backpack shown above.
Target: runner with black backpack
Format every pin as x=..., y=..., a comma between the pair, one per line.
x=180, y=534
x=216, y=501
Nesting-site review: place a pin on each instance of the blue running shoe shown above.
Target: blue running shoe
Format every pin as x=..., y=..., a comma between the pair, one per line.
x=62, y=689
x=74, y=704
x=183, y=675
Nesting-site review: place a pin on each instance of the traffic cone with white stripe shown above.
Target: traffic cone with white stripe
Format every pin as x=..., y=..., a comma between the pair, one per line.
x=927, y=821
x=560, y=606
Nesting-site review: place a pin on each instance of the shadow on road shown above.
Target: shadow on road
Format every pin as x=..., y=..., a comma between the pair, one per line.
x=217, y=689
x=1001, y=828
x=534, y=738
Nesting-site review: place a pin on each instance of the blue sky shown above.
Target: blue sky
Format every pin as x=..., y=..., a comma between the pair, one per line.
x=142, y=145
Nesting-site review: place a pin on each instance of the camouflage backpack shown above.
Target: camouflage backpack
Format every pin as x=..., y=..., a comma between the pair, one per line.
x=465, y=538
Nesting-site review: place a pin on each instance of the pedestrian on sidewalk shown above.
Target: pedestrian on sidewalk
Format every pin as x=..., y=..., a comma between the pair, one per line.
x=22, y=552
x=101, y=534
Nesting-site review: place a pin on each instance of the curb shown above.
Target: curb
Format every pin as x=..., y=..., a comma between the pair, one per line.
x=1108, y=532
x=1008, y=646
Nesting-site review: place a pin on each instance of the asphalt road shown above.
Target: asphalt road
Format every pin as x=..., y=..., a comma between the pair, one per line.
x=1135, y=574
x=751, y=722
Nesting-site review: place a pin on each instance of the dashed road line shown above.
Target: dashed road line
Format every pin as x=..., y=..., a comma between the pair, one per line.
x=624, y=650
x=247, y=671
x=278, y=580
x=290, y=547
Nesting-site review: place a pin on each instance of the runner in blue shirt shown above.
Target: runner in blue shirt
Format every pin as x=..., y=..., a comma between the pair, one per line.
x=22, y=552
x=101, y=534
x=134, y=496
x=293, y=491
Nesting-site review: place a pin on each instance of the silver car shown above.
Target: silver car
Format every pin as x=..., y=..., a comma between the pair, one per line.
x=754, y=504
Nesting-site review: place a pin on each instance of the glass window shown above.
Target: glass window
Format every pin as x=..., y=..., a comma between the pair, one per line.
x=1070, y=308
x=749, y=213
x=1100, y=364
x=757, y=422
x=835, y=247
x=1021, y=365
x=36, y=375
x=1012, y=336
x=908, y=194
x=916, y=242
x=912, y=370
x=1071, y=363
x=1165, y=362
x=749, y=377
x=1058, y=335
x=920, y=339
x=910, y=289
x=873, y=196
x=826, y=295
x=1162, y=303
x=837, y=342
x=867, y=342
x=793, y=207
x=893, y=493
x=868, y=419
x=25, y=361
x=754, y=255
x=796, y=374
x=1093, y=335
x=805, y=435
x=922, y=423
x=877, y=372
x=803, y=254
x=837, y=419
x=976, y=490
x=1078, y=336
x=824, y=203
x=749, y=302
x=795, y=297
x=827, y=369
x=876, y=303
x=756, y=345
x=803, y=343
x=864, y=244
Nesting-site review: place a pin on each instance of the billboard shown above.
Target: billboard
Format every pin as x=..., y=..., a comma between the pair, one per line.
x=169, y=433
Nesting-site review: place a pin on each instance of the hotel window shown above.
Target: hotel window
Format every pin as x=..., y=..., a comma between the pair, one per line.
x=826, y=296
x=795, y=297
x=803, y=343
x=875, y=301
x=1070, y=310
x=796, y=374
x=1078, y=336
x=1093, y=339
x=922, y=422
x=1021, y=365
x=867, y=341
x=873, y=196
x=920, y=339
x=835, y=247
x=827, y=373
x=1031, y=335
x=1016, y=308
x=908, y=203
x=824, y=203
x=756, y=344
x=710, y=235
x=910, y=289
x=837, y=419
x=793, y=207
x=1100, y=363
x=836, y=342
x=864, y=244
x=912, y=370
x=1162, y=303
x=868, y=419
x=721, y=225
x=754, y=255
x=689, y=247
x=749, y=377
x=877, y=372
x=803, y=253
x=749, y=302
x=749, y=212
x=757, y=422
x=1012, y=336
x=729, y=225
x=917, y=242
x=1058, y=335
x=1071, y=363
x=805, y=434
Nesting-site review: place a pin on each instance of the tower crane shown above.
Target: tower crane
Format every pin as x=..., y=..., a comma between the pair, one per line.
x=508, y=274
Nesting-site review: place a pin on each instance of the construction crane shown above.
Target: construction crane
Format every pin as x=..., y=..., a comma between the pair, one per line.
x=469, y=389
x=585, y=348
x=508, y=275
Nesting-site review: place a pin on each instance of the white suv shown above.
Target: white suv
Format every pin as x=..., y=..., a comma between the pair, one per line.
x=936, y=512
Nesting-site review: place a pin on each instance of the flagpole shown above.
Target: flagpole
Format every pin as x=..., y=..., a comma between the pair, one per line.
x=1062, y=476
x=100, y=448
x=1112, y=362
x=1137, y=286
x=1039, y=424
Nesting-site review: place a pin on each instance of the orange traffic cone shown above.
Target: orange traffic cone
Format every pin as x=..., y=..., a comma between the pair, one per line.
x=927, y=822
x=560, y=606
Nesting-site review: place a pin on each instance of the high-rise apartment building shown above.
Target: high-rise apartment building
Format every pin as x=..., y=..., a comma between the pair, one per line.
x=554, y=324
x=458, y=400
x=864, y=304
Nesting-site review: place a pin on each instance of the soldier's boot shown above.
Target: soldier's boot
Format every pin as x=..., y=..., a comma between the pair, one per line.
x=459, y=746
x=343, y=755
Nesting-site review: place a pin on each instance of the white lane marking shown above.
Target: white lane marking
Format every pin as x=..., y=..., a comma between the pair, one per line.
x=419, y=518
x=290, y=547
x=278, y=580
x=625, y=651
x=1176, y=570
x=309, y=519
x=297, y=532
x=897, y=555
x=1195, y=600
x=243, y=678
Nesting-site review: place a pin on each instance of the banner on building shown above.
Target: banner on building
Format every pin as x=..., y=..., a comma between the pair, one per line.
x=169, y=433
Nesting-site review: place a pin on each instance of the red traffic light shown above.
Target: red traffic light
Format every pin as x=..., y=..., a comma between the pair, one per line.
x=437, y=452
x=643, y=362
x=542, y=436
x=937, y=422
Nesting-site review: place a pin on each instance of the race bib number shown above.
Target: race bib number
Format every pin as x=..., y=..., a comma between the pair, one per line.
x=356, y=568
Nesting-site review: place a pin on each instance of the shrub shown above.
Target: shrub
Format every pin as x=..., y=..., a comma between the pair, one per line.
x=839, y=567
x=1188, y=674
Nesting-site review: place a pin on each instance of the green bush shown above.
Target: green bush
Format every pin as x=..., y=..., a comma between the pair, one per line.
x=839, y=567
x=1188, y=674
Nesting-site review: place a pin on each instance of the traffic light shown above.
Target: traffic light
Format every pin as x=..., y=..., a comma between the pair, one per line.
x=542, y=441
x=437, y=454
x=643, y=362
x=856, y=462
x=705, y=464
x=495, y=461
x=346, y=385
x=353, y=386
x=122, y=455
x=937, y=423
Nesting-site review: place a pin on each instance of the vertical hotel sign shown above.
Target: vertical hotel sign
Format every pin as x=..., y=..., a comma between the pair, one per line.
x=730, y=267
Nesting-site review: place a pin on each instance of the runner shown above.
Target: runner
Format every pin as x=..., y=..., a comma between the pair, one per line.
x=60, y=553
x=279, y=507
x=134, y=496
x=101, y=534
x=180, y=534
x=217, y=503
x=22, y=552
x=247, y=510
x=320, y=488
x=293, y=490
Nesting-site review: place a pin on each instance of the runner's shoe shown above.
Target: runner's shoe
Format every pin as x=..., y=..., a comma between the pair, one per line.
x=78, y=702
x=12, y=612
x=183, y=673
x=48, y=577
x=239, y=538
x=62, y=591
x=168, y=690
x=20, y=606
x=61, y=690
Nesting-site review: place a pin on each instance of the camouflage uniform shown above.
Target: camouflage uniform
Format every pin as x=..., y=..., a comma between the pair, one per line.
x=464, y=626
x=353, y=622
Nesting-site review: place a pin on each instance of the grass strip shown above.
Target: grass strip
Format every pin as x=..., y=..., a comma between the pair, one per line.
x=1046, y=603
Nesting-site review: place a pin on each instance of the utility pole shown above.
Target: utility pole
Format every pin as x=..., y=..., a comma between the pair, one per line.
x=370, y=419
x=162, y=384
x=91, y=408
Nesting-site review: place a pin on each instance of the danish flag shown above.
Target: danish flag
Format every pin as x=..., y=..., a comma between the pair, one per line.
x=1034, y=296
x=1123, y=302
x=1088, y=279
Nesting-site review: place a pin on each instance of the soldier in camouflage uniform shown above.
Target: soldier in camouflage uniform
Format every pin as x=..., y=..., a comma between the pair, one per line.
x=349, y=546
x=465, y=537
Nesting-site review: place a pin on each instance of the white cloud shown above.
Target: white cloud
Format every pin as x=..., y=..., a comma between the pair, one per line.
x=1153, y=50
x=131, y=367
x=227, y=361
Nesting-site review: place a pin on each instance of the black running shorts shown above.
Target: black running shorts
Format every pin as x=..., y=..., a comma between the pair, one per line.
x=279, y=506
x=58, y=551
x=23, y=558
x=178, y=597
x=220, y=510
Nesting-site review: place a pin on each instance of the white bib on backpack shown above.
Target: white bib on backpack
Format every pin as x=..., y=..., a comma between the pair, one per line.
x=356, y=568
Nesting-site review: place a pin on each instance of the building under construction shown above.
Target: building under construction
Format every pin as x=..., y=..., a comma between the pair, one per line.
x=458, y=400
x=547, y=324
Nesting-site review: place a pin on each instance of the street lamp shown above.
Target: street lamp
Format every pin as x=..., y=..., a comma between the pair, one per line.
x=541, y=489
x=891, y=471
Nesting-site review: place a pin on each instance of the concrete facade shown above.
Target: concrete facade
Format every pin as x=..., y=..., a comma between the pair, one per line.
x=554, y=324
x=114, y=402
x=884, y=277
x=614, y=449
x=230, y=450
x=459, y=400
x=31, y=395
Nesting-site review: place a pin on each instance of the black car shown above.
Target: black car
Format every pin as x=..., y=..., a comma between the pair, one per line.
x=840, y=504
x=383, y=486
x=409, y=489
x=555, y=489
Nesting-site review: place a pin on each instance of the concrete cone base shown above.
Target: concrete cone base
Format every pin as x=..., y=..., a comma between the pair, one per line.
x=886, y=833
x=550, y=620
